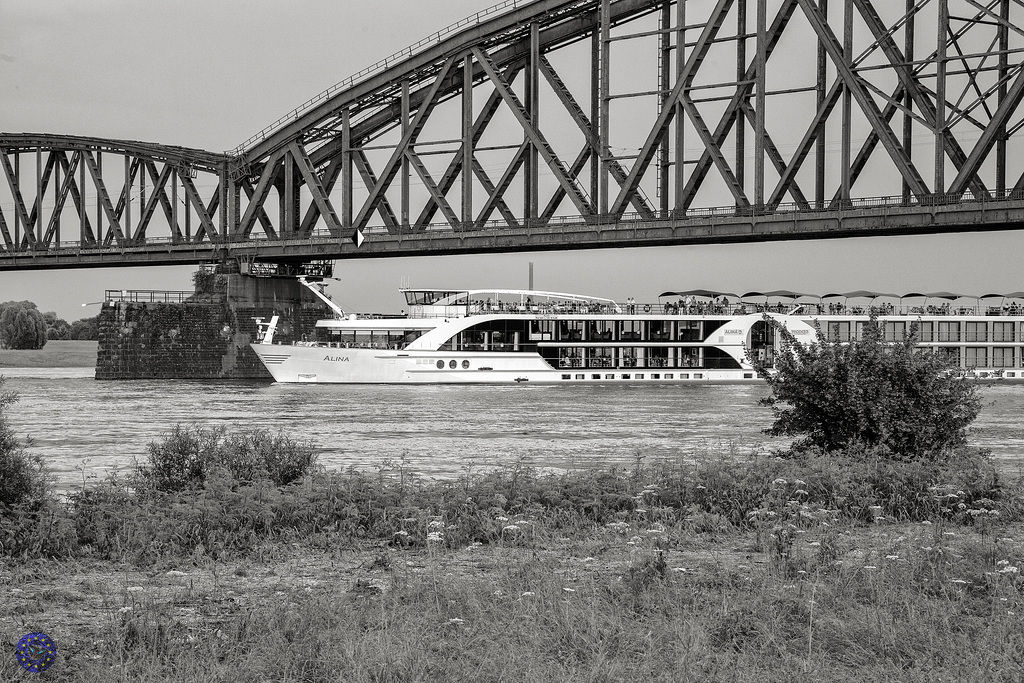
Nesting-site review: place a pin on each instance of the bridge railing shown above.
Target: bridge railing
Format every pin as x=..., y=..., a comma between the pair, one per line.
x=382, y=65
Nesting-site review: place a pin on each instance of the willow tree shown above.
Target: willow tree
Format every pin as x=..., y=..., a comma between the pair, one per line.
x=21, y=326
x=868, y=393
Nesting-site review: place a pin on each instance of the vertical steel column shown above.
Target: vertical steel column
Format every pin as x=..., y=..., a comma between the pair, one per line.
x=37, y=233
x=99, y=199
x=346, y=167
x=222, y=203
x=847, y=102
x=187, y=208
x=467, y=141
x=81, y=208
x=1004, y=45
x=680, y=114
x=908, y=97
x=533, y=109
x=15, y=191
x=759, y=115
x=664, y=85
x=820, y=133
x=605, y=104
x=289, y=224
x=128, y=195
x=232, y=206
x=940, y=98
x=405, y=161
x=175, y=230
x=142, y=199
x=56, y=196
x=741, y=70
x=595, y=115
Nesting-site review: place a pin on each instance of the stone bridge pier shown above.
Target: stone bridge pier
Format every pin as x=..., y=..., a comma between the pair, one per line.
x=203, y=334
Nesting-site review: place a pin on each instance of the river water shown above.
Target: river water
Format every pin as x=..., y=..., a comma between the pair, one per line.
x=83, y=427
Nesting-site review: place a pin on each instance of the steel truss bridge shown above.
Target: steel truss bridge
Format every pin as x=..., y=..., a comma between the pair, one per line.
x=564, y=124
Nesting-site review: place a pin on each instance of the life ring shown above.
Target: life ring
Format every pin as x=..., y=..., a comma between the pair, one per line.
x=647, y=308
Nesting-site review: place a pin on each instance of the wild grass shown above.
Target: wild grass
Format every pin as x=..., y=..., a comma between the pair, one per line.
x=58, y=353
x=757, y=569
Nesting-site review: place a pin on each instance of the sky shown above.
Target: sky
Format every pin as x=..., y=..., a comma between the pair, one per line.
x=209, y=74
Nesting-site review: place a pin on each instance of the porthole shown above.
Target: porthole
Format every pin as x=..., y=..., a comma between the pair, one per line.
x=465, y=365
x=440, y=365
x=453, y=364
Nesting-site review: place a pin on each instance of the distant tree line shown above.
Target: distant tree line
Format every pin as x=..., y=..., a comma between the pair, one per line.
x=23, y=326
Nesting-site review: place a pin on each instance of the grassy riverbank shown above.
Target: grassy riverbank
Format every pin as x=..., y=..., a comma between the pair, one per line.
x=764, y=570
x=56, y=354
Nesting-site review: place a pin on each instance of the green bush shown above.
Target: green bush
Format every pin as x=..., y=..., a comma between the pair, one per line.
x=868, y=394
x=188, y=454
x=23, y=477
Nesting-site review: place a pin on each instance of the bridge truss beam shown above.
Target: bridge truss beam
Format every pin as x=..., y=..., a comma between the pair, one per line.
x=597, y=112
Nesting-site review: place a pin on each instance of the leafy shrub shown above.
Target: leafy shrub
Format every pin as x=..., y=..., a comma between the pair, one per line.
x=868, y=394
x=188, y=454
x=23, y=477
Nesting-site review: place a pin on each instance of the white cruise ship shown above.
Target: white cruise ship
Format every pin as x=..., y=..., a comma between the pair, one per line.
x=498, y=336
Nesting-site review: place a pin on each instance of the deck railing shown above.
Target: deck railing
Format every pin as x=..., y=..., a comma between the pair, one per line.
x=147, y=296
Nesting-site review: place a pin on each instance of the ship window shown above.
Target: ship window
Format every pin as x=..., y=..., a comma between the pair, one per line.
x=541, y=330
x=440, y=364
x=976, y=357
x=566, y=376
x=581, y=376
x=839, y=331
x=601, y=330
x=640, y=376
x=625, y=377
x=629, y=330
x=668, y=375
x=689, y=357
x=609, y=376
x=452, y=364
x=894, y=331
x=570, y=330
x=595, y=376
x=1003, y=332
x=949, y=332
x=926, y=331
x=689, y=330
x=465, y=365
x=1002, y=357
x=976, y=332
x=698, y=375
x=656, y=375
x=682, y=375
x=748, y=375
